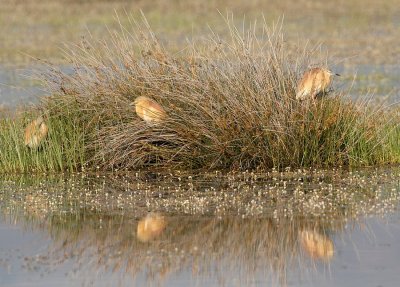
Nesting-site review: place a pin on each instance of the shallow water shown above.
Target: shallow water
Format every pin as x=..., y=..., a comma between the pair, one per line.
x=17, y=86
x=293, y=228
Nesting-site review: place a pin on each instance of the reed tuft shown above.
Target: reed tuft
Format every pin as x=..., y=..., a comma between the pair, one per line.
x=230, y=104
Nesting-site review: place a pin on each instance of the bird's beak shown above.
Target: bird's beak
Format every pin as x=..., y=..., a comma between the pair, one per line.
x=132, y=103
x=337, y=75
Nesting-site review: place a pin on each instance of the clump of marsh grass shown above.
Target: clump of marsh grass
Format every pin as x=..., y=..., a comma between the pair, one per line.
x=230, y=104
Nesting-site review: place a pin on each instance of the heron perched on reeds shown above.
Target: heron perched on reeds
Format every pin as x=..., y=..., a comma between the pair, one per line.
x=35, y=133
x=149, y=110
x=314, y=83
x=150, y=227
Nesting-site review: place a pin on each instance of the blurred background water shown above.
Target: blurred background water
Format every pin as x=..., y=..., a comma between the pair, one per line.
x=360, y=38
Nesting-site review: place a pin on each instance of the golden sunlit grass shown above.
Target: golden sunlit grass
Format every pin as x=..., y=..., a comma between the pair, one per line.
x=230, y=103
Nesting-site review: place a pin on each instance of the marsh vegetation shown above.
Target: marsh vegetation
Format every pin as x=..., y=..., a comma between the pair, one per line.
x=229, y=104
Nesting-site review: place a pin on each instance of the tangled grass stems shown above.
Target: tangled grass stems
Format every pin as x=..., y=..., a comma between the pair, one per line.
x=230, y=104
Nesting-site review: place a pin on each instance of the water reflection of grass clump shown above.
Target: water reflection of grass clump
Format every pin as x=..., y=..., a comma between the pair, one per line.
x=230, y=105
x=267, y=223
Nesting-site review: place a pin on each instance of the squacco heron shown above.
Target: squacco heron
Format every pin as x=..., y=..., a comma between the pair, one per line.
x=149, y=110
x=316, y=245
x=150, y=227
x=314, y=82
x=35, y=133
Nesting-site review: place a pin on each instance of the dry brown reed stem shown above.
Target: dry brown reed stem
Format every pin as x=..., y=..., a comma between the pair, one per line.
x=230, y=104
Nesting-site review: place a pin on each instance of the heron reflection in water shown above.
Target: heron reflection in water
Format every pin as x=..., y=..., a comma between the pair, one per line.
x=150, y=227
x=316, y=245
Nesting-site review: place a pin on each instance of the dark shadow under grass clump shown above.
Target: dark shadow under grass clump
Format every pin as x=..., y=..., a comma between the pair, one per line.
x=230, y=104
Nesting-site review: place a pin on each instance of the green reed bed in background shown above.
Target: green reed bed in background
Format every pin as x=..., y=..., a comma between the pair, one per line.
x=230, y=103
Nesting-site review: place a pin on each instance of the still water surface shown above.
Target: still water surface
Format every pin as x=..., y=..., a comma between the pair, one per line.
x=301, y=228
